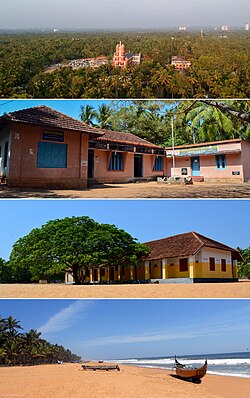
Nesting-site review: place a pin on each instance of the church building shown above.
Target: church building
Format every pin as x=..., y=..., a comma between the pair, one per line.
x=122, y=59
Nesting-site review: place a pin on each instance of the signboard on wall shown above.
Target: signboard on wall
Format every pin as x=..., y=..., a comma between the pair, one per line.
x=202, y=150
x=52, y=135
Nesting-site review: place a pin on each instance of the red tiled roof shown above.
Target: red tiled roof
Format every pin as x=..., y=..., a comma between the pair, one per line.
x=184, y=245
x=205, y=144
x=43, y=115
x=122, y=137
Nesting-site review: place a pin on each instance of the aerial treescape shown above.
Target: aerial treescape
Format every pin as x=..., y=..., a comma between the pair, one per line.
x=220, y=66
x=22, y=349
x=244, y=266
x=76, y=243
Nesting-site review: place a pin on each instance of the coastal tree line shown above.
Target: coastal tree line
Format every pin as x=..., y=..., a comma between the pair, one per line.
x=77, y=244
x=19, y=348
x=220, y=65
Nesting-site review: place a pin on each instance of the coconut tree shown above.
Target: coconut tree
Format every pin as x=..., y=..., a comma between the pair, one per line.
x=12, y=326
x=87, y=114
x=211, y=123
x=104, y=116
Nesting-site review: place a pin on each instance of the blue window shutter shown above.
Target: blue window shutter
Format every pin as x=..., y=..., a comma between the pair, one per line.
x=116, y=161
x=158, y=166
x=51, y=155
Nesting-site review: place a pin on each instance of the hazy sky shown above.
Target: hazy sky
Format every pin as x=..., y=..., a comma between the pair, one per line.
x=115, y=14
x=144, y=219
x=109, y=329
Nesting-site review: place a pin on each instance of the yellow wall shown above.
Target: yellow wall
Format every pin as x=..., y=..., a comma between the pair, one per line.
x=155, y=269
x=198, y=267
x=202, y=268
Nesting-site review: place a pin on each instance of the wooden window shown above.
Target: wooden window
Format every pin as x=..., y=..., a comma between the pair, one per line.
x=88, y=273
x=52, y=155
x=183, y=264
x=123, y=270
x=212, y=263
x=103, y=271
x=223, y=265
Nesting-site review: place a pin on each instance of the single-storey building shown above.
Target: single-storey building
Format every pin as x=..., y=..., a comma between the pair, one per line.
x=186, y=258
x=41, y=147
x=227, y=160
x=122, y=157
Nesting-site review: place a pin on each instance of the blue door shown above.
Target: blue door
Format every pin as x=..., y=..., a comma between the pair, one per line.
x=195, y=166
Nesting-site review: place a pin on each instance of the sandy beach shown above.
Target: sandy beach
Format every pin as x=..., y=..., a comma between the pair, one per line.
x=199, y=290
x=69, y=380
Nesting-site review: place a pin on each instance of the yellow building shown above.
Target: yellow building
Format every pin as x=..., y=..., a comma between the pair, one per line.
x=187, y=258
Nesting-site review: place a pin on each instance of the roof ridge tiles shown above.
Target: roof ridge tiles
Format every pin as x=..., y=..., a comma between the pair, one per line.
x=167, y=237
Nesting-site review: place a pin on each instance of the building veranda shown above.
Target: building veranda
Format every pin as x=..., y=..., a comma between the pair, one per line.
x=184, y=258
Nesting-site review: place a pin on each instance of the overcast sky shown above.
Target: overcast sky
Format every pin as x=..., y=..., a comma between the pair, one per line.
x=105, y=14
x=102, y=329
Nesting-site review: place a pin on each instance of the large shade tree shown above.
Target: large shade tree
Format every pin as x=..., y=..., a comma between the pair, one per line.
x=76, y=243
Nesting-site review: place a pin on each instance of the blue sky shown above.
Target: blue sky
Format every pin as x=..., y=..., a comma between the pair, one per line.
x=117, y=14
x=69, y=107
x=110, y=329
x=224, y=220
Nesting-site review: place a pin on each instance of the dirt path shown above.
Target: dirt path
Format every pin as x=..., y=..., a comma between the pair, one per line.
x=137, y=190
x=198, y=290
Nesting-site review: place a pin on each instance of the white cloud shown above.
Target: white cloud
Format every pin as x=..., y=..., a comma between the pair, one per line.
x=65, y=318
x=214, y=328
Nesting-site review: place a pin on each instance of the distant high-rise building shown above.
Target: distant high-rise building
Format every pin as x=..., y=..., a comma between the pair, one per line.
x=246, y=26
x=182, y=28
x=225, y=27
x=122, y=59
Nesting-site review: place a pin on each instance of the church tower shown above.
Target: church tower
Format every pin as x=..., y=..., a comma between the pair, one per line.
x=119, y=56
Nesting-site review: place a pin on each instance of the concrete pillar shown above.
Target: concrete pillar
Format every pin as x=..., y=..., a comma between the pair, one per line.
x=91, y=275
x=119, y=273
x=191, y=267
x=99, y=274
x=164, y=269
x=107, y=273
x=131, y=268
x=235, y=269
x=83, y=161
x=147, y=270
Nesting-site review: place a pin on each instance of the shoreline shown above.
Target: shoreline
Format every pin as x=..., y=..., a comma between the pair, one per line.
x=59, y=381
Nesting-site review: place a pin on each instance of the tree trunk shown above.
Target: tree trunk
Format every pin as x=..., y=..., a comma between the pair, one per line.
x=75, y=271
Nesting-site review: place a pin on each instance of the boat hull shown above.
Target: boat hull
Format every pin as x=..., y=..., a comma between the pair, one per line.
x=194, y=374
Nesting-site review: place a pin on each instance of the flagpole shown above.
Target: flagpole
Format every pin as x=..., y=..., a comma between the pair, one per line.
x=172, y=126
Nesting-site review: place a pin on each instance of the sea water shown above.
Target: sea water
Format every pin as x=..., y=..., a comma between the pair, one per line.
x=229, y=364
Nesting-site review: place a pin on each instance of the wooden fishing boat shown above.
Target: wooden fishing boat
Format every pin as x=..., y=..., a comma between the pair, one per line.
x=190, y=373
